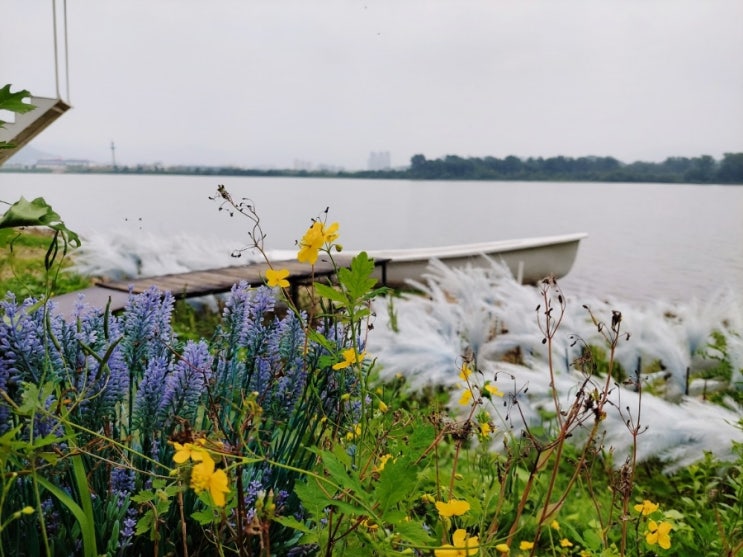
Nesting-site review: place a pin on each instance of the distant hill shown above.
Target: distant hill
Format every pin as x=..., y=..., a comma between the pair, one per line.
x=28, y=156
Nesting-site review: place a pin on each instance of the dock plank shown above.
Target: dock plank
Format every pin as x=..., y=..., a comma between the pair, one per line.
x=194, y=284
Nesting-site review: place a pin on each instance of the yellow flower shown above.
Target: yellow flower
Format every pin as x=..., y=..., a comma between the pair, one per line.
x=465, y=372
x=463, y=545
x=646, y=507
x=503, y=548
x=466, y=397
x=354, y=433
x=350, y=357
x=205, y=477
x=658, y=533
x=314, y=239
x=382, y=461
x=187, y=451
x=454, y=507
x=277, y=278
x=565, y=543
x=383, y=407
x=370, y=525
x=485, y=429
x=493, y=390
x=555, y=525
x=523, y=546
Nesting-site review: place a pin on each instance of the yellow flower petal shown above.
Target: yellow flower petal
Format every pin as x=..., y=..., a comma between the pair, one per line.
x=463, y=545
x=350, y=357
x=447, y=550
x=503, y=548
x=277, y=277
x=466, y=397
x=658, y=533
x=646, y=507
x=218, y=487
x=493, y=390
x=566, y=543
x=524, y=545
x=205, y=478
x=187, y=451
x=453, y=508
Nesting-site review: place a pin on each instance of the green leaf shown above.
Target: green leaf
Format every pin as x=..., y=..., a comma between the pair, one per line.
x=357, y=279
x=414, y=533
x=293, y=523
x=203, y=516
x=331, y=293
x=87, y=529
x=13, y=102
x=395, y=483
x=338, y=471
x=37, y=213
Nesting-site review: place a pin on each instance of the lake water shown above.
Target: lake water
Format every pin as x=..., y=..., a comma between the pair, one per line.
x=646, y=241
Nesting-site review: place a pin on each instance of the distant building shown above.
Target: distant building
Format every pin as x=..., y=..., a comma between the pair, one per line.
x=379, y=160
x=300, y=164
x=60, y=165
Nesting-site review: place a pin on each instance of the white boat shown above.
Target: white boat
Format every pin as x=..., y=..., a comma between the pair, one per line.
x=529, y=259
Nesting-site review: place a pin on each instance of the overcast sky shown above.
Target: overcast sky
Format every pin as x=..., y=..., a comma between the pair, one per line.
x=266, y=82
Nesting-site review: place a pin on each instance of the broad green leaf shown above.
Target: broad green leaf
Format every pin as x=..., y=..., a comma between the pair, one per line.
x=357, y=278
x=395, y=483
x=339, y=473
x=414, y=533
x=293, y=523
x=13, y=102
x=37, y=213
x=331, y=293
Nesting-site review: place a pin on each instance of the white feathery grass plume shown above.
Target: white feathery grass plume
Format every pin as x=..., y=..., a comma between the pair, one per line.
x=125, y=254
x=486, y=314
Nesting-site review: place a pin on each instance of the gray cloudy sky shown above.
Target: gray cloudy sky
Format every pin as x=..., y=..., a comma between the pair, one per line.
x=265, y=82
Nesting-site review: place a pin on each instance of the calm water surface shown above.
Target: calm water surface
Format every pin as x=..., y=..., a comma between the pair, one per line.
x=646, y=241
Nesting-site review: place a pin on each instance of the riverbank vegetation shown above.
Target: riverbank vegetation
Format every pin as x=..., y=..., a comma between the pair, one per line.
x=275, y=434
x=690, y=170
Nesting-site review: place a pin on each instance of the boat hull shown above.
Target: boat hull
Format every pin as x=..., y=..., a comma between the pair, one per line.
x=530, y=260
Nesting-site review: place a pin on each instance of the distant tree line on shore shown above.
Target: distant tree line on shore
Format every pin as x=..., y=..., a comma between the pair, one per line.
x=702, y=170
x=696, y=170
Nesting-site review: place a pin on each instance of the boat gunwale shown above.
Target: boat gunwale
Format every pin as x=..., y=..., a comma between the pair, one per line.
x=472, y=250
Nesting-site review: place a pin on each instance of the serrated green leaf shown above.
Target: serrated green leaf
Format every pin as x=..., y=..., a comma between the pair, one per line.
x=143, y=496
x=414, y=533
x=339, y=472
x=13, y=102
x=37, y=213
x=357, y=279
x=145, y=523
x=293, y=523
x=203, y=516
x=395, y=483
x=331, y=293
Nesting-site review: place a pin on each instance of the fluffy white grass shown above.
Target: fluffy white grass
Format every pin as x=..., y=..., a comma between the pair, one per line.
x=133, y=254
x=486, y=314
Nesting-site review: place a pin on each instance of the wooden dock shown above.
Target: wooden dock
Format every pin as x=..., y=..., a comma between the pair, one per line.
x=201, y=283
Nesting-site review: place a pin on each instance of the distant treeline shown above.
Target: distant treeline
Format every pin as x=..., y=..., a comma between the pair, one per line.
x=700, y=170
x=696, y=170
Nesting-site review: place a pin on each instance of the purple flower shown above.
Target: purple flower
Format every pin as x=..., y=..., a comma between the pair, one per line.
x=185, y=384
x=150, y=394
x=146, y=327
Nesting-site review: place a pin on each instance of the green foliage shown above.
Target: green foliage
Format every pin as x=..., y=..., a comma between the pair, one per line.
x=35, y=242
x=354, y=466
x=13, y=102
x=702, y=169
